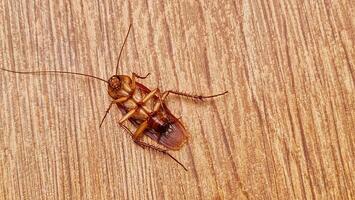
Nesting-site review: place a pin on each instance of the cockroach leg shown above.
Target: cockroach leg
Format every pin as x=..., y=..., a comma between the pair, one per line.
x=120, y=100
x=199, y=97
x=149, y=96
x=161, y=97
x=144, y=145
x=126, y=129
x=134, y=76
x=138, y=76
x=140, y=131
x=107, y=111
x=127, y=115
x=158, y=104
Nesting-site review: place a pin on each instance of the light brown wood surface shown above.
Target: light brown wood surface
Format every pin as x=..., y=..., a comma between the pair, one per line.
x=286, y=130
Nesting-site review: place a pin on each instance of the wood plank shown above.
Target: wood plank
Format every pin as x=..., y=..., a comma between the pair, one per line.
x=284, y=131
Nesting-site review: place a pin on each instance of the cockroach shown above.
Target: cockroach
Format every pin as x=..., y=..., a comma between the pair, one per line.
x=143, y=107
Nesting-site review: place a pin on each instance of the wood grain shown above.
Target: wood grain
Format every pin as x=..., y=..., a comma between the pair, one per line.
x=284, y=131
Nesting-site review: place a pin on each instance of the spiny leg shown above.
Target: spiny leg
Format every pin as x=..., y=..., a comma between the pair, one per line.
x=140, y=105
x=120, y=100
x=139, y=132
x=158, y=104
x=138, y=76
x=107, y=111
x=163, y=96
x=149, y=96
x=143, y=145
x=127, y=115
x=155, y=92
x=134, y=76
x=199, y=97
x=133, y=88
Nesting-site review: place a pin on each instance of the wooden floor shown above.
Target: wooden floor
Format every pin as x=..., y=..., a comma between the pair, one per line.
x=286, y=130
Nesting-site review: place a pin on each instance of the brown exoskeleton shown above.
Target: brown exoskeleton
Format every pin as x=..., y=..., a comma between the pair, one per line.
x=143, y=107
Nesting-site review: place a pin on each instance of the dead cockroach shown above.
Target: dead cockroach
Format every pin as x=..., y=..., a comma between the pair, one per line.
x=143, y=107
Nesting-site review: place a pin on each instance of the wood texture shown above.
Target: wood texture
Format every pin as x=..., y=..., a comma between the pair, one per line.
x=285, y=130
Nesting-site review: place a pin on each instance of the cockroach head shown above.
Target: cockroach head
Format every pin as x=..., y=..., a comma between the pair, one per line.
x=114, y=82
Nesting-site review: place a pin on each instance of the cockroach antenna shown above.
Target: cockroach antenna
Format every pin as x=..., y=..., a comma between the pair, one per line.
x=53, y=72
x=124, y=42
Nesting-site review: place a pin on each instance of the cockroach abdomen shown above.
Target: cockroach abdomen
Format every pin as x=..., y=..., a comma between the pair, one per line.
x=173, y=138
